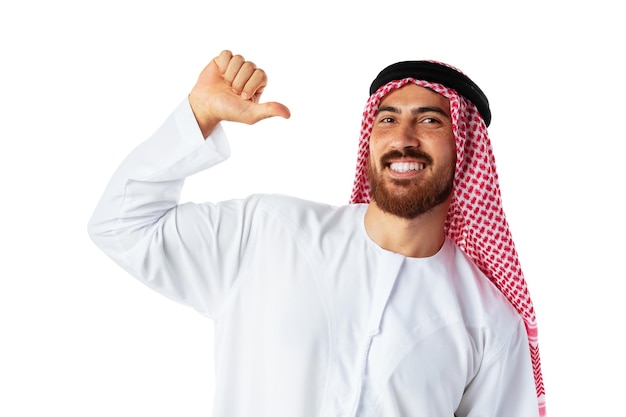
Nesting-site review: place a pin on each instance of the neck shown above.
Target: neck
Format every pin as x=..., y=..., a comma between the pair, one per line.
x=420, y=237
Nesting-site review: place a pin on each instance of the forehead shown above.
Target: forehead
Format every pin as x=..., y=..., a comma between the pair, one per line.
x=415, y=95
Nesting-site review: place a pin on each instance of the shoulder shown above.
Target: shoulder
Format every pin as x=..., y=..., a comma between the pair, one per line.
x=309, y=220
x=304, y=211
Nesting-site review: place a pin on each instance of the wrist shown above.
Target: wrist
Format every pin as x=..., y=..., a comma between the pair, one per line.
x=203, y=117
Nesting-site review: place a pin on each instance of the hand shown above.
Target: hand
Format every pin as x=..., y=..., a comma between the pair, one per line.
x=230, y=88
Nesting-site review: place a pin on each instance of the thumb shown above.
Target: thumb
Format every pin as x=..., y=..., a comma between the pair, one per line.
x=270, y=109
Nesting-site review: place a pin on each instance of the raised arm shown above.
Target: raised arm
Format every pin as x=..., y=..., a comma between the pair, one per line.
x=188, y=252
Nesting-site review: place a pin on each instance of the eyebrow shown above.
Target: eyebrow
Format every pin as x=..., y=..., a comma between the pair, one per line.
x=416, y=111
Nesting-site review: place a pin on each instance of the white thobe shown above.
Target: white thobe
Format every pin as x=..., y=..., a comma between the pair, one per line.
x=312, y=318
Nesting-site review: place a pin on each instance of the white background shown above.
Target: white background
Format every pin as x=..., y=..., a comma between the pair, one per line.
x=82, y=83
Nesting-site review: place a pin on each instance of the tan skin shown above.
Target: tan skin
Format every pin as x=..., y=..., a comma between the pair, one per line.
x=411, y=116
x=229, y=89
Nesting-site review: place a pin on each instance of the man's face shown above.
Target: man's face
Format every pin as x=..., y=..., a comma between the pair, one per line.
x=412, y=152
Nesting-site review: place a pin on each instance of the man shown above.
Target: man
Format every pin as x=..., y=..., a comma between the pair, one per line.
x=408, y=302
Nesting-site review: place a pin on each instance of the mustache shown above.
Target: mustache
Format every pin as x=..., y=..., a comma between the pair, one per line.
x=407, y=152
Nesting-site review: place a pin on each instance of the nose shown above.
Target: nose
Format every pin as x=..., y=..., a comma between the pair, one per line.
x=406, y=137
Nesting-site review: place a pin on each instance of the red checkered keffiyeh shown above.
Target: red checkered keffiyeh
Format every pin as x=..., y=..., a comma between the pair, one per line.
x=476, y=220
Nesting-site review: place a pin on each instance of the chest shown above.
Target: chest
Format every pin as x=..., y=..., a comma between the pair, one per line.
x=352, y=323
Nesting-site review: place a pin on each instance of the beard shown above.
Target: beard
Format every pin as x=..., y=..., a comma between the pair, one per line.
x=409, y=198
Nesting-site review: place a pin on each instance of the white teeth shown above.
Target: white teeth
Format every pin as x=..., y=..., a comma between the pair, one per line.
x=406, y=166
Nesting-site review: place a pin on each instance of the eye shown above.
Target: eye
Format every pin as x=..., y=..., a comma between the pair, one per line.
x=430, y=120
x=386, y=119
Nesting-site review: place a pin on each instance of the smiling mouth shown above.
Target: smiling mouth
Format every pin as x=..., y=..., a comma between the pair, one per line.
x=406, y=166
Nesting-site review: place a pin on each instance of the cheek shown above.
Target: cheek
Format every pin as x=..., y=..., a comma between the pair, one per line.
x=452, y=155
x=451, y=150
x=371, y=162
x=379, y=136
x=374, y=150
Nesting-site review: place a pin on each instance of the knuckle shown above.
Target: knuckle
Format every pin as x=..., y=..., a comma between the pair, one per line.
x=249, y=65
x=260, y=73
x=238, y=58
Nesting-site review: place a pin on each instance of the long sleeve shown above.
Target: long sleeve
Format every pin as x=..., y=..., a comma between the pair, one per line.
x=504, y=385
x=189, y=252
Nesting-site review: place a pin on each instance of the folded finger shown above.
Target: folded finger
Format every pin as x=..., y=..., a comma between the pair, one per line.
x=245, y=76
x=255, y=84
x=222, y=60
x=234, y=65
